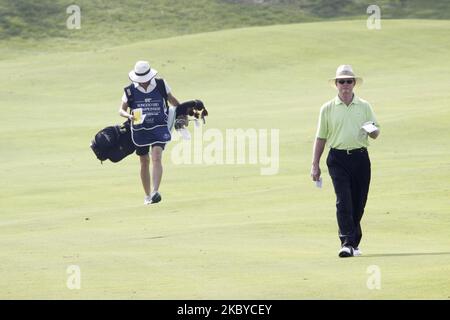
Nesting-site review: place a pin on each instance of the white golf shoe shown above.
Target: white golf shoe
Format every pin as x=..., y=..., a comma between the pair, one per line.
x=147, y=200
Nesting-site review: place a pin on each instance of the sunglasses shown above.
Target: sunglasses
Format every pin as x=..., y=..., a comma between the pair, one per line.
x=346, y=81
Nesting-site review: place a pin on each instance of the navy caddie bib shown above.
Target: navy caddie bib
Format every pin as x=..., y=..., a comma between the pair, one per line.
x=151, y=115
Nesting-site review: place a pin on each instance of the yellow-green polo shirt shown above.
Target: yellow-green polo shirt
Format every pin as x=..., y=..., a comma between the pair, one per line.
x=341, y=125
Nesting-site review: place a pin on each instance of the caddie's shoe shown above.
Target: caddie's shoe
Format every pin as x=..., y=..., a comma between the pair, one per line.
x=357, y=252
x=155, y=197
x=147, y=200
x=345, y=252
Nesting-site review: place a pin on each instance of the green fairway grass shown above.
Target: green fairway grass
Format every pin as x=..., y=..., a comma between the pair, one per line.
x=225, y=231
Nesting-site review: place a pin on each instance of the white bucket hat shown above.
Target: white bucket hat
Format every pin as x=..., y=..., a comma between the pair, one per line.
x=345, y=71
x=142, y=72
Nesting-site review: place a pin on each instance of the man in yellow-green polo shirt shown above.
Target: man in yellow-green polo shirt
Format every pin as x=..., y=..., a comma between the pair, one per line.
x=345, y=123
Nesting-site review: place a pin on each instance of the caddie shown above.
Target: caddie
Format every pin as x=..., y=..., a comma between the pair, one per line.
x=145, y=104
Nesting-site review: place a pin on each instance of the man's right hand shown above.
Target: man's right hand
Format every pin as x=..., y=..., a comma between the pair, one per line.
x=315, y=172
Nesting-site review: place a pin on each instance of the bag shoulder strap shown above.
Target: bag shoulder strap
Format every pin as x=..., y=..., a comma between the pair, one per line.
x=129, y=94
x=161, y=86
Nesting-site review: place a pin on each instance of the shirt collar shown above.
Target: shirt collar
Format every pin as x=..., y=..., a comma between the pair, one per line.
x=338, y=100
x=149, y=88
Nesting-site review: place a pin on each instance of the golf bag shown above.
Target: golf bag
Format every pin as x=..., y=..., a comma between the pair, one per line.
x=113, y=143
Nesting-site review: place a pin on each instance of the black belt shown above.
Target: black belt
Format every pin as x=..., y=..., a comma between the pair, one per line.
x=349, y=152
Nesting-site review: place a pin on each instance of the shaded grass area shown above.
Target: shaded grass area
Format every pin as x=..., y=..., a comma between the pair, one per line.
x=116, y=21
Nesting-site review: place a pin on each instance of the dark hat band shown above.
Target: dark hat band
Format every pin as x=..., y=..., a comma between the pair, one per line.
x=143, y=74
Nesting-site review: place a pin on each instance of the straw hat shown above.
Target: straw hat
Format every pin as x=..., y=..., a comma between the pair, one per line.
x=345, y=71
x=142, y=72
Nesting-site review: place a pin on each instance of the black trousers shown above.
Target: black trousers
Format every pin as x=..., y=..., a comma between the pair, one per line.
x=350, y=173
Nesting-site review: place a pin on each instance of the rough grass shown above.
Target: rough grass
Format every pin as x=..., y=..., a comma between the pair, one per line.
x=115, y=21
